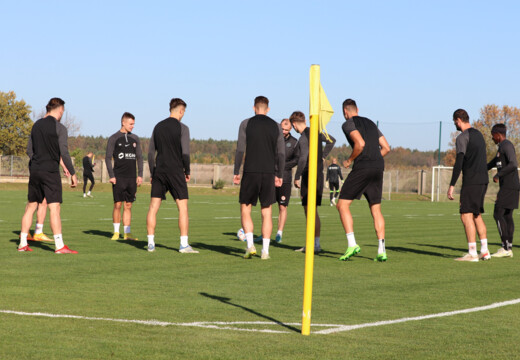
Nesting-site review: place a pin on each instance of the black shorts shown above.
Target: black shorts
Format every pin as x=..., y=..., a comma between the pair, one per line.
x=124, y=189
x=472, y=199
x=88, y=177
x=283, y=194
x=305, y=188
x=368, y=182
x=334, y=185
x=507, y=198
x=174, y=183
x=257, y=185
x=44, y=185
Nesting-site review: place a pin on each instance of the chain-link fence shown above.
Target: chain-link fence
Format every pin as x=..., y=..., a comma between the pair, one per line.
x=15, y=168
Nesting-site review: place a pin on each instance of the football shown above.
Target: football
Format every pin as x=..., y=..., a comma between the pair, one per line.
x=241, y=235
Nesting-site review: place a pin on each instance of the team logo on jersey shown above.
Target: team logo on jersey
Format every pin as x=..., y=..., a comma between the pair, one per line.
x=121, y=155
x=288, y=144
x=135, y=144
x=283, y=198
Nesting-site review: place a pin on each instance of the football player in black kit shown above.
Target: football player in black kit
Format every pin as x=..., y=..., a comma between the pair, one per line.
x=333, y=177
x=300, y=126
x=283, y=193
x=507, y=197
x=47, y=143
x=124, y=147
x=261, y=139
x=169, y=161
x=369, y=147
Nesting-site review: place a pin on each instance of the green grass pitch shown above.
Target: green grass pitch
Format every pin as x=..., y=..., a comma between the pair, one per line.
x=121, y=280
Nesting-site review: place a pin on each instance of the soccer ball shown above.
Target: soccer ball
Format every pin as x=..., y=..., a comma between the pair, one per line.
x=241, y=235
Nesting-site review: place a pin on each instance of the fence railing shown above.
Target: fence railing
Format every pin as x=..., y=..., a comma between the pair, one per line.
x=15, y=169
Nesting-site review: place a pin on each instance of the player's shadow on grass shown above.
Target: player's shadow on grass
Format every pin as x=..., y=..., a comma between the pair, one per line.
x=143, y=245
x=226, y=250
x=438, y=247
x=47, y=246
x=105, y=234
x=227, y=301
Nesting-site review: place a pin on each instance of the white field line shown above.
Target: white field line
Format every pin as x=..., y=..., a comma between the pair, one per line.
x=417, y=318
x=333, y=328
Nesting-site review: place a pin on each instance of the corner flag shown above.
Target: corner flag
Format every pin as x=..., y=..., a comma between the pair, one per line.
x=320, y=114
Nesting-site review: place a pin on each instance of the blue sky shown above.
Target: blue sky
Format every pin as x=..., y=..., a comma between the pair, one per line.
x=408, y=64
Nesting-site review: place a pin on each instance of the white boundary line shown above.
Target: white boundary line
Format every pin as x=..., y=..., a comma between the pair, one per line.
x=333, y=328
x=417, y=318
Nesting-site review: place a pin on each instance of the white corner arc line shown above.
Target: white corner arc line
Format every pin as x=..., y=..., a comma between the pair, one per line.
x=417, y=318
x=220, y=325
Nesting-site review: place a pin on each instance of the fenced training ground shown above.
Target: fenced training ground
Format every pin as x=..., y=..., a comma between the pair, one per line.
x=116, y=300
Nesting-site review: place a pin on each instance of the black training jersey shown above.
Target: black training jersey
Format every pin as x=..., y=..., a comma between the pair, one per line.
x=87, y=166
x=471, y=158
x=261, y=138
x=371, y=156
x=303, y=149
x=291, y=157
x=169, y=151
x=507, y=166
x=125, y=149
x=334, y=173
x=47, y=143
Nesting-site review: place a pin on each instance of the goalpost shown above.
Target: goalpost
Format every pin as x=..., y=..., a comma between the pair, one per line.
x=441, y=176
x=438, y=175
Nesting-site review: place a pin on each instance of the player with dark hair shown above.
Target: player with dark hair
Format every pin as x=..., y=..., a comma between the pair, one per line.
x=333, y=177
x=471, y=160
x=298, y=122
x=47, y=147
x=369, y=147
x=283, y=193
x=88, y=169
x=125, y=148
x=262, y=141
x=169, y=161
x=508, y=195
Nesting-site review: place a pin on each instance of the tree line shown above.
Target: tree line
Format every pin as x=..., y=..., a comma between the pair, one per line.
x=16, y=125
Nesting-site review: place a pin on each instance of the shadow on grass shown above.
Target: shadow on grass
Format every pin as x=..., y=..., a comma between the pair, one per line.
x=143, y=245
x=47, y=245
x=105, y=234
x=227, y=301
x=443, y=247
x=226, y=250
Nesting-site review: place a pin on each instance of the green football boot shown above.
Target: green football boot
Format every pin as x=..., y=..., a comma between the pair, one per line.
x=381, y=257
x=351, y=251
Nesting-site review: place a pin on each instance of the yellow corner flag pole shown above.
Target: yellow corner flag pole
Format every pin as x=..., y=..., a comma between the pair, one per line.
x=311, y=200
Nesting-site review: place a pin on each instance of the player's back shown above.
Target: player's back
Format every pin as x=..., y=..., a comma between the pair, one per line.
x=45, y=145
x=261, y=139
x=167, y=136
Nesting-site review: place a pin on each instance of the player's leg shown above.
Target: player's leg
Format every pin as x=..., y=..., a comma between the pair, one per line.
x=282, y=219
x=267, y=229
x=27, y=217
x=511, y=229
x=55, y=220
x=184, y=220
x=116, y=219
x=347, y=221
x=471, y=232
x=379, y=227
x=85, y=180
x=151, y=221
x=480, y=226
x=93, y=182
x=41, y=213
x=127, y=220
x=331, y=188
x=503, y=230
x=247, y=225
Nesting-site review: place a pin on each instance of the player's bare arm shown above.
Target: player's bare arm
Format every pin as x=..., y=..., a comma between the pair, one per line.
x=385, y=147
x=359, y=145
